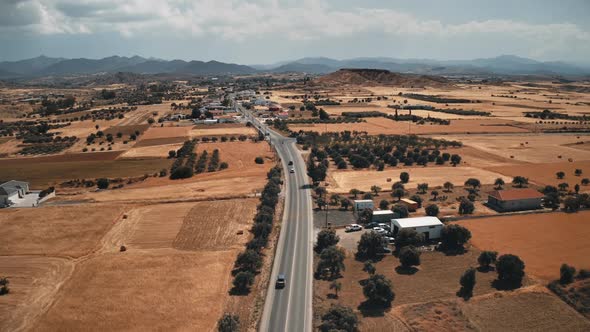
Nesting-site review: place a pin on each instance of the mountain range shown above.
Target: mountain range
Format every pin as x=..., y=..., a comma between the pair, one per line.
x=43, y=66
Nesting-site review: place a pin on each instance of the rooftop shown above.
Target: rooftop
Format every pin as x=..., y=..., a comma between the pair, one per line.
x=418, y=222
x=380, y=212
x=515, y=194
x=363, y=200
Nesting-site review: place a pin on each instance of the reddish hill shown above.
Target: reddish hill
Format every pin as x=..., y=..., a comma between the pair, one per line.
x=373, y=77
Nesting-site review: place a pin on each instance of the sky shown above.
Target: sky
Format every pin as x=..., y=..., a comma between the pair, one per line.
x=269, y=31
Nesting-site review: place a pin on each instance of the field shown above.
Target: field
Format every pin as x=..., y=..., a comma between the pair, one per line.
x=221, y=130
x=544, y=173
x=543, y=241
x=343, y=181
x=152, y=151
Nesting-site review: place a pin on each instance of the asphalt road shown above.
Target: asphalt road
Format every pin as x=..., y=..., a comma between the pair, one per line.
x=290, y=308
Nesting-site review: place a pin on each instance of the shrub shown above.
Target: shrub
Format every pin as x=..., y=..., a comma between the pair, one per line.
x=404, y=177
x=339, y=318
x=510, y=269
x=487, y=258
x=409, y=256
x=223, y=165
x=182, y=172
x=228, y=323
x=163, y=172
x=102, y=183
x=243, y=280
x=467, y=282
x=259, y=160
x=369, y=267
x=466, y=207
x=378, y=290
x=249, y=260
x=566, y=274
x=432, y=210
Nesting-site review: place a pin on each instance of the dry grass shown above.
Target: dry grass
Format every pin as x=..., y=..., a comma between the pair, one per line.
x=222, y=130
x=543, y=241
x=544, y=174
x=155, y=290
x=155, y=151
x=165, y=132
x=60, y=231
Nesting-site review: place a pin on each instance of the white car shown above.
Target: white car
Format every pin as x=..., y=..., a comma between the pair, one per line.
x=353, y=228
x=379, y=230
x=292, y=170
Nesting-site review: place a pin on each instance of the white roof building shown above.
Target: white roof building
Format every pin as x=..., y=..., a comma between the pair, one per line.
x=430, y=227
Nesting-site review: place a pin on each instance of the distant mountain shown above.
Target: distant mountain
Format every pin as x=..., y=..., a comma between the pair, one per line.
x=303, y=68
x=155, y=67
x=215, y=68
x=91, y=66
x=368, y=77
x=29, y=66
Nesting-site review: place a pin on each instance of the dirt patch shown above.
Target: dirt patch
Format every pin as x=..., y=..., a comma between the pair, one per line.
x=545, y=174
x=161, y=141
x=156, y=290
x=165, y=132
x=543, y=241
x=214, y=225
x=436, y=316
x=214, y=130
x=156, y=151
x=34, y=281
x=126, y=130
x=61, y=231
x=69, y=157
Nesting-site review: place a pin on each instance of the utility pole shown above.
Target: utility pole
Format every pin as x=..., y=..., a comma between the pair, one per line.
x=327, y=207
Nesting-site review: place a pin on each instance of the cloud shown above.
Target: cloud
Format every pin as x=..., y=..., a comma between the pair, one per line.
x=240, y=21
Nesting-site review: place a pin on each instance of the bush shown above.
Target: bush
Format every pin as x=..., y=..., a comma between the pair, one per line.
x=404, y=177
x=228, y=323
x=370, y=245
x=4, y=289
x=243, y=280
x=223, y=165
x=102, y=183
x=163, y=173
x=510, y=269
x=409, y=256
x=467, y=282
x=378, y=290
x=466, y=207
x=432, y=210
x=487, y=258
x=339, y=318
x=182, y=172
x=454, y=236
x=326, y=238
x=259, y=160
x=566, y=274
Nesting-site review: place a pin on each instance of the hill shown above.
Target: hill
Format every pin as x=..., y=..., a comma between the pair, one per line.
x=372, y=77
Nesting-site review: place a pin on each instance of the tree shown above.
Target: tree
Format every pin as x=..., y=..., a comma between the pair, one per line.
x=454, y=236
x=228, y=323
x=404, y=177
x=585, y=181
x=243, y=280
x=102, y=183
x=182, y=172
x=378, y=290
x=473, y=182
x=432, y=210
x=398, y=193
x=409, y=256
x=375, y=190
x=466, y=207
x=367, y=196
x=571, y=204
x=566, y=274
x=370, y=245
x=369, y=267
x=578, y=172
x=422, y=187
x=321, y=191
x=401, y=210
x=4, y=289
x=448, y=186
x=520, y=181
x=434, y=194
x=331, y=262
x=560, y=175
x=354, y=192
x=384, y=204
x=259, y=160
x=339, y=318
x=335, y=199
x=408, y=237
x=499, y=183
x=551, y=200
x=455, y=159
x=326, y=238
x=345, y=203
x=249, y=260
x=467, y=282
x=487, y=258
x=321, y=202
x=577, y=188
x=172, y=154
x=336, y=286
x=563, y=186
x=510, y=269
x=365, y=216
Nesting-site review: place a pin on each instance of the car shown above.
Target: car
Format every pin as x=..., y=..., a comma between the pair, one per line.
x=371, y=225
x=281, y=281
x=292, y=170
x=353, y=228
x=290, y=162
x=379, y=230
x=389, y=239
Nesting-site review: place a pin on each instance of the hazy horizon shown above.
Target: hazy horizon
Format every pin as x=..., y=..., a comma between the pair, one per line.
x=271, y=31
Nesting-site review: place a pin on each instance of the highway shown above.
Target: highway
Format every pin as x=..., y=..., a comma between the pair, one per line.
x=290, y=308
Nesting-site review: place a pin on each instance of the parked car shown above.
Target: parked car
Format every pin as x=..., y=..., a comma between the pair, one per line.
x=353, y=228
x=280, y=281
x=370, y=225
x=379, y=230
x=290, y=162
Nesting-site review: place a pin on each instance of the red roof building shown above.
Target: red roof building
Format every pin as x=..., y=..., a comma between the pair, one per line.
x=515, y=199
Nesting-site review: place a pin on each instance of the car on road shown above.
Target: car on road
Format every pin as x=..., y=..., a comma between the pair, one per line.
x=292, y=170
x=353, y=228
x=281, y=282
x=290, y=162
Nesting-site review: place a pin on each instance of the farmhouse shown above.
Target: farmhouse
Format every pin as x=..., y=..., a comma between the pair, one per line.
x=11, y=191
x=383, y=216
x=361, y=204
x=429, y=226
x=515, y=199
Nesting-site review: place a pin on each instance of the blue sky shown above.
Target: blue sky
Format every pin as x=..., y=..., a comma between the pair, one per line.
x=266, y=31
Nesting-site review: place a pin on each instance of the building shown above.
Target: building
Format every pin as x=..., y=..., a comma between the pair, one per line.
x=12, y=190
x=515, y=199
x=361, y=204
x=410, y=204
x=431, y=227
x=383, y=216
x=210, y=121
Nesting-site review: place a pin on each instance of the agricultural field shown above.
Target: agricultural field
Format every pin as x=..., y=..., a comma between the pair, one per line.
x=229, y=129
x=543, y=241
x=545, y=173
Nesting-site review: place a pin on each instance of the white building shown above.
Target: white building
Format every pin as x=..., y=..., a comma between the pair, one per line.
x=383, y=216
x=12, y=191
x=429, y=226
x=361, y=204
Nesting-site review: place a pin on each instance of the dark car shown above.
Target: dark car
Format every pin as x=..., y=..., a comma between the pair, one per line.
x=290, y=163
x=371, y=225
x=280, y=281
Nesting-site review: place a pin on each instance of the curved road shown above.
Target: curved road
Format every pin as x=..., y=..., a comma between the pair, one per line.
x=290, y=308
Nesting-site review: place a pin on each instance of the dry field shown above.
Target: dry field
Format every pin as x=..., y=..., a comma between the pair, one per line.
x=44, y=174
x=165, y=132
x=221, y=130
x=544, y=174
x=71, y=231
x=543, y=241
x=375, y=126
x=153, y=151
x=341, y=181
x=154, y=290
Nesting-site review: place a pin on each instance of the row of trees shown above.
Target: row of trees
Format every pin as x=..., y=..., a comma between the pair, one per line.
x=249, y=261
